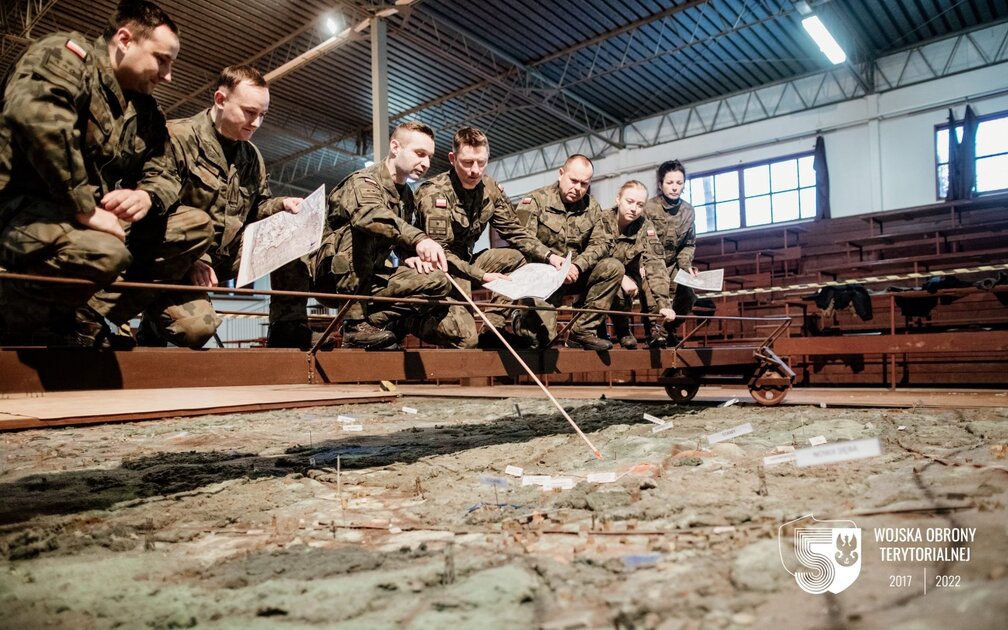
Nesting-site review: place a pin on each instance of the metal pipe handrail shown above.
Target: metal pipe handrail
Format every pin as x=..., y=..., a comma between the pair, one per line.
x=120, y=284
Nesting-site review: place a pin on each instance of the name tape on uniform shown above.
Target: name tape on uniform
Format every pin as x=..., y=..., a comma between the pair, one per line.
x=838, y=452
x=661, y=427
x=728, y=434
x=817, y=440
x=654, y=419
x=514, y=471
x=601, y=477
x=409, y=410
x=353, y=427
x=345, y=419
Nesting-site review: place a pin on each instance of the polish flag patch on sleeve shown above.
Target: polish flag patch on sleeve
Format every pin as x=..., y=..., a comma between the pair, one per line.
x=76, y=49
x=526, y=200
x=650, y=233
x=440, y=202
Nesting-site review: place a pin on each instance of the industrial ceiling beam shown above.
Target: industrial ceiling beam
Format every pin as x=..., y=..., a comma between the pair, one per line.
x=979, y=48
x=17, y=19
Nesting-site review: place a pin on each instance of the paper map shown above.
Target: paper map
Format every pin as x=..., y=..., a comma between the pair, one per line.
x=271, y=243
x=533, y=280
x=704, y=280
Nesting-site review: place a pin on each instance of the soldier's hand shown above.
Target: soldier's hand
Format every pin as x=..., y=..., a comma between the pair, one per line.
x=572, y=275
x=202, y=275
x=414, y=263
x=556, y=261
x=629, y=286
x=292, y=204
x=103, y=221
x=128, y=205
x=667, y=315
x=490, y=276
x=693, y=271
x=431, y=252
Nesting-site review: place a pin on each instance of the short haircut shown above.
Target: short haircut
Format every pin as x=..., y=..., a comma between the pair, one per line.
x=413, y=125
x=140, y=17
x=469, y=137
x=632, y=183
x=667, y=167
x=577, y=157
x=231, y=76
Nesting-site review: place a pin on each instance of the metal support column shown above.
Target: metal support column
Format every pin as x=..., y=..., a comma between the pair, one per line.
x=379, y=88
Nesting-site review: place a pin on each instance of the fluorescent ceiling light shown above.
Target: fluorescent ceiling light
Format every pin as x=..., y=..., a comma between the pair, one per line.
x=824, y=39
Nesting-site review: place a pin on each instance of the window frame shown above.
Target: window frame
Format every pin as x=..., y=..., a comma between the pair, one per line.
x=937, y=165
x=739, y=172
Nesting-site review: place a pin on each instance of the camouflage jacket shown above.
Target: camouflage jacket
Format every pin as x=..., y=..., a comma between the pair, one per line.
x=234, y=192
x=580, y=229
x=444, y=216
x=637, y=247
x=369, y=215
x=676, y=229
x=69, y=134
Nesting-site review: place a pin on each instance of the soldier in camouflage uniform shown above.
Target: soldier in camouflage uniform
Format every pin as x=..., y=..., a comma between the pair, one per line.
x=673, y=218
x=369, y=214
x=640, y=250
x=565, y=218
x=454, y=208
x=219, y=172
x=80, y=136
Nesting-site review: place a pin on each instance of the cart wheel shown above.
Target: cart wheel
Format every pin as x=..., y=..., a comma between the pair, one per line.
x=770, y=388
x=768, y=396
x=682, y=393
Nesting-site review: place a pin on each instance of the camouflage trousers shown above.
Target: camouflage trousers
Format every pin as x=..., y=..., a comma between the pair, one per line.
x=164, y=249
x=39, y=238
x=682, y=297
x=332, y=274
x=458, y=329
x=595, y=288
x=624, y=302
x=189, y=320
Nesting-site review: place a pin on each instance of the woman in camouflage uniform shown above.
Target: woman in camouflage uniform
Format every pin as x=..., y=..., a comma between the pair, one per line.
x=640, y=250
x=673, y=219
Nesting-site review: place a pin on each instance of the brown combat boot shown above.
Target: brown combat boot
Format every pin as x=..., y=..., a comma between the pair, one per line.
x=588, y=341
x=363, y=335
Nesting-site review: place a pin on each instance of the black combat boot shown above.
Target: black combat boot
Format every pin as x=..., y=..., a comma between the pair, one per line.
x=487, y=340
x=88, y=330
x=626, y=339
x=657, y=339
x=147, y=334
x=289, y=335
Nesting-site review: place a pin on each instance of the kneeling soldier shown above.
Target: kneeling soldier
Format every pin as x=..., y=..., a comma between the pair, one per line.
x=454, y=208
x=369, y=214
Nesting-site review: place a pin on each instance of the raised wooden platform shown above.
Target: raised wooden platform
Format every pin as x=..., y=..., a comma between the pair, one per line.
x=53, y=409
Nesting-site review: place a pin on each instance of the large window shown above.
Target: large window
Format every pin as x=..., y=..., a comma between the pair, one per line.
x=755, y=194
x=991, y=154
